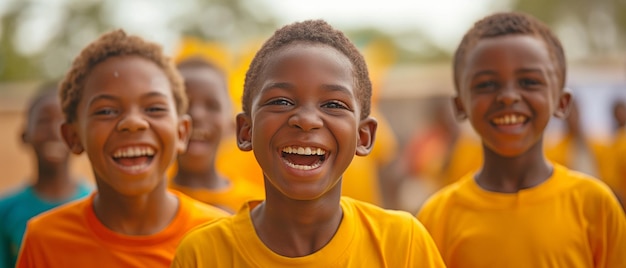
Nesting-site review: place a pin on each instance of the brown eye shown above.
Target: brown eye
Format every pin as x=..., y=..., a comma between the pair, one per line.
x=526, y=82
x=335, y=105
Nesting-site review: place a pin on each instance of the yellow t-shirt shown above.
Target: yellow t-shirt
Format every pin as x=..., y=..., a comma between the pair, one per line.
x=368, y=236
x=231, y=198
x=570, y=220
x=72, y=236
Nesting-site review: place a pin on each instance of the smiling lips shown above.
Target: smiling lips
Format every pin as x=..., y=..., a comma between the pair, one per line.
x=303, y=158
x=134, y=158
x=200, y=135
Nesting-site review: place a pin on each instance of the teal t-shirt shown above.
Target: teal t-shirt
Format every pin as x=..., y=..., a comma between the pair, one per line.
x=15, y=210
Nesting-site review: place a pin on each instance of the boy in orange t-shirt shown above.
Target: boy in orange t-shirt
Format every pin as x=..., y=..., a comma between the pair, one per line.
x=124, y=105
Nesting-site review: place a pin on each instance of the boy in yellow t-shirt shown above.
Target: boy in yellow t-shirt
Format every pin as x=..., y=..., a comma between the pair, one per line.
x=519, y=209
x=124, y=105
x=305, y=115
x=211, y=115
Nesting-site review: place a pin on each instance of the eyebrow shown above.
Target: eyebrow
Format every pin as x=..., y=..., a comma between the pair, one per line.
x=289, y=86
x=101, y=97
x=530, y=70
x=523, y=70
x=114, y=98
x=281, y=85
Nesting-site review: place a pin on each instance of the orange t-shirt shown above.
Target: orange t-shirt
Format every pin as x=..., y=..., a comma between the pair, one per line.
x=72, y=236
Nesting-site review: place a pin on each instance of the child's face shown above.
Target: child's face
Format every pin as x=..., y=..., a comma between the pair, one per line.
x=304, y=126
x=509, y=89
x=128, y=125
x=211, y=116
x=43, y=131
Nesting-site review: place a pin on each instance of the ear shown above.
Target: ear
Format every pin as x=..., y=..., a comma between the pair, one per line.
x=459, y=110
x=184, y=133
x=24, y=137
x=367, y=135
x=564, y=104
x=244, y=132
x=71, y=138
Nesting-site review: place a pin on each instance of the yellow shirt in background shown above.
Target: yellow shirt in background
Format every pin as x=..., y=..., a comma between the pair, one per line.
x=231, y=199
x=570, y=220
x=368, y=236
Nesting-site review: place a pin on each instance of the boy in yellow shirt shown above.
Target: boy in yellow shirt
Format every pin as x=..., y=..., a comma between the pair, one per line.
x=305, y=115
x=520, y=210
x=124, y=105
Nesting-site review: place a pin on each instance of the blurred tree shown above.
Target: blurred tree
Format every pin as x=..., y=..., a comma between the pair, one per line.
x=596, y=25
x=38, y=39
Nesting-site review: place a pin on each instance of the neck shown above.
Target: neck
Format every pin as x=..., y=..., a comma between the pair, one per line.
x=53, y=181
x=208, y=179
x=512, y=174
x=296, y=228
x=143, y=214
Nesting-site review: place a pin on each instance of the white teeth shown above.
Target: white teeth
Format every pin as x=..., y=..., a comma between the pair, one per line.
x=303, y=167
x=200, y=134
x=509, y=119
x=304, y=151
x=133, y=152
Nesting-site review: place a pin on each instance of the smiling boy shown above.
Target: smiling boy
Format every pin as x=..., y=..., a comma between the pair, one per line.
x=519, y=209
x=305, y=116
x=124, y=106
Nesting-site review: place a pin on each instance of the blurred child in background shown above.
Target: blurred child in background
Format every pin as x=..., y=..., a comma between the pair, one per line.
x=53, y=184
x=212, y=121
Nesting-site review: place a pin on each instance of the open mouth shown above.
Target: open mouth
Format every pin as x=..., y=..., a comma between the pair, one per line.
x=134, y=158
x=200, y=135
x=303, y=158
x=509, y=119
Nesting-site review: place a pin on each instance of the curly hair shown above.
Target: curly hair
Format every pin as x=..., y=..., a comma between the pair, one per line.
x=113, y=44
x=198, y=62
x=510, y=23
x=313, y=32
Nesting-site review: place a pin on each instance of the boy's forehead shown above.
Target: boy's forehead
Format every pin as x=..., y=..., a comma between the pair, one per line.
x=127, y=68
x=131, y=72
x=534, y=47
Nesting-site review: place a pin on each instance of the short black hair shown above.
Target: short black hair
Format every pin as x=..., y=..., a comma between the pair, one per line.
x=112, y=44
x=510, y=23
x=313, y=32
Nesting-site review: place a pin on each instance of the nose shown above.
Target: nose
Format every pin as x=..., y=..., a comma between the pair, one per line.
x=305, y=118
x=508, y=94
x=196, y=112
x=132, y=121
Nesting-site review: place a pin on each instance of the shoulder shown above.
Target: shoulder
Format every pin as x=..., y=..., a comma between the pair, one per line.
x=442, y=198
x=377, y=217
x=581, y=184
x=60, y=218
x=591, y=192
x=14, y=197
